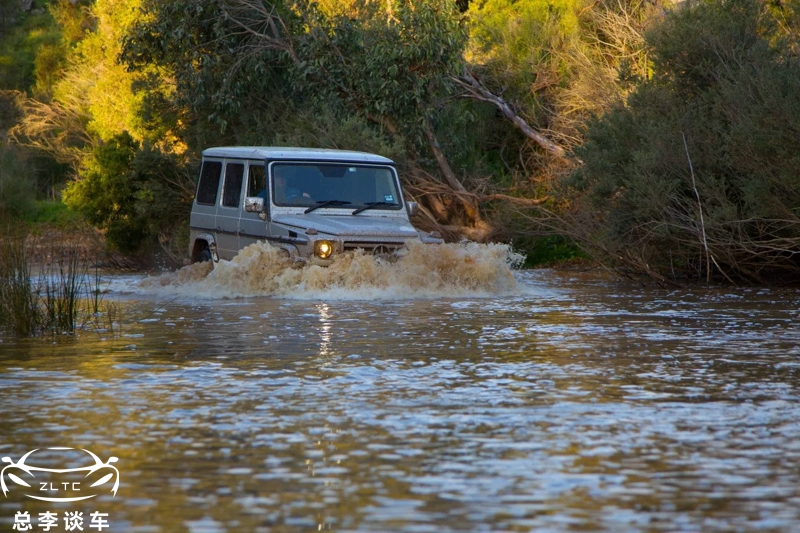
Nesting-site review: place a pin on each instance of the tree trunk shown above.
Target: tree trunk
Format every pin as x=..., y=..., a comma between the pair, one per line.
x=444, y=165
x=470, y=206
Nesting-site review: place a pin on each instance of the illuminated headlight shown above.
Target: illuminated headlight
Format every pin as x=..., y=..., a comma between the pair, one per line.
x=323, y=249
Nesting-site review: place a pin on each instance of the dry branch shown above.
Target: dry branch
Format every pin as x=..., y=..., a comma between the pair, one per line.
x=530, y=202
x=700, y=210
x=474, y=89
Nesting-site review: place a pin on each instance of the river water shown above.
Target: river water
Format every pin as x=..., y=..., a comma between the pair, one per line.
x=532, y=401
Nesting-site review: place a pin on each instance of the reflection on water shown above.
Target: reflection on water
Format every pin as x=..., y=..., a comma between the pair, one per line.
x=576, y=404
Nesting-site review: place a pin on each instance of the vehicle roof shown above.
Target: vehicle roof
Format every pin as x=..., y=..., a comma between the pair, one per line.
x=286, y=153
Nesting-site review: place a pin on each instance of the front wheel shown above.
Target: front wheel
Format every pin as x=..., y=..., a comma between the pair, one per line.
x=204, y=255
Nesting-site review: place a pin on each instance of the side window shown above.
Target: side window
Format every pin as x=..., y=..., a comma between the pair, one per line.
x=234, y=172
x=209, y=182
x=257, y=184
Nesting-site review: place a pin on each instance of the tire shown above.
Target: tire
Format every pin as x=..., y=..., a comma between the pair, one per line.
x=204, y=255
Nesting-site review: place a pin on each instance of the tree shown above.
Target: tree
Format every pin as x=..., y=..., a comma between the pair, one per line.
x=550, y=64
x=392, y=67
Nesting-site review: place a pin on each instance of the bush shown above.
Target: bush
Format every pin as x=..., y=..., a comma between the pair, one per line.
x=725, y=203
x=137, y=194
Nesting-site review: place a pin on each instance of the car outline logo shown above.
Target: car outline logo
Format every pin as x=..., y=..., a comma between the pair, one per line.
x=29, y=469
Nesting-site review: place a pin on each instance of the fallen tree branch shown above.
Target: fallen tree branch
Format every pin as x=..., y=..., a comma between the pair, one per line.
x=477, y=91
x=513, y=199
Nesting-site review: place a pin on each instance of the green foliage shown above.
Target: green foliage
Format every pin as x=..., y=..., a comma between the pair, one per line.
x=104, y=194
x=556, y=63
x=163, y=193
x=68, y=22
x=48, y=65
x=32, y=58
x=724, y=78
x=54, y=213
x=329, y=128
x=19, y=47
x=74, y=18
x=550, y=250
x=134, y=192
x=478, y=144
x=394, y=70
x=521, y=42
x=389, y=71
x=522, y=50
x=196, y=42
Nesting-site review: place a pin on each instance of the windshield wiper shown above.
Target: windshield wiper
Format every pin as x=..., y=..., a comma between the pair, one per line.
x=370, y=205
x=326, y=203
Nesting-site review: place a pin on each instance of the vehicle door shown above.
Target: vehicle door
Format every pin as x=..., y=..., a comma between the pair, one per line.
x=229, y=209
x=251, y=227
x=204, y=210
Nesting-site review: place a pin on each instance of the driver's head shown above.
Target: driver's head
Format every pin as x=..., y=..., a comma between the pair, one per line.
x=280, y=177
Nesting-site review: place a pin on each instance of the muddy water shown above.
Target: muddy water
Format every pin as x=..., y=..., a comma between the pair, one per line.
x=559, y=402
x=419, y=271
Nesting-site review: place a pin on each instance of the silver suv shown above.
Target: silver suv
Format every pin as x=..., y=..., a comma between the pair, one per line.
x=311, y=203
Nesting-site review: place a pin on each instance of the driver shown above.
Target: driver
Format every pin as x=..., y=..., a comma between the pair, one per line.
x=286, y=194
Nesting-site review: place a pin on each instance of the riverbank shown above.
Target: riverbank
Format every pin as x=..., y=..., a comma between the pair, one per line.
x=47, y=243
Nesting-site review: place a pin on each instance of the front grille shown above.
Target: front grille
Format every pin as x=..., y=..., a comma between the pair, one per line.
x=373, y=247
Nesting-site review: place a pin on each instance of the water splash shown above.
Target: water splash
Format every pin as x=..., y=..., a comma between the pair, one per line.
x=419, y=272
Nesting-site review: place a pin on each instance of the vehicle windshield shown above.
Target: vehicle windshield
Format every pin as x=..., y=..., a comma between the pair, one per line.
x=328, y=185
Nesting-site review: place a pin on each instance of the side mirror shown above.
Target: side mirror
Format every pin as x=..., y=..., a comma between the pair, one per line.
x=412, y=208
x=254, y=204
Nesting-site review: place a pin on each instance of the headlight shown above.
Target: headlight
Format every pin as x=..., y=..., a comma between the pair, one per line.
x=323, y=249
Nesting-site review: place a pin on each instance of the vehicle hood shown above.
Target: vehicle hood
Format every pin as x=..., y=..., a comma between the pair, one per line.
x=350, y=225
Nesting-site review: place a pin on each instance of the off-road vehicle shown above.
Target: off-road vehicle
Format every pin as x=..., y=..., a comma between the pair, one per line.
x=311, y=203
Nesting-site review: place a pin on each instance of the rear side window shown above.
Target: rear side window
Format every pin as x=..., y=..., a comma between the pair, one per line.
x=234, y=172
x=258, y=181
x=209, y=182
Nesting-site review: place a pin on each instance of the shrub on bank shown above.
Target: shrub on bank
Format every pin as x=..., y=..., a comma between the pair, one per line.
x=699, y=173
x=135, y=193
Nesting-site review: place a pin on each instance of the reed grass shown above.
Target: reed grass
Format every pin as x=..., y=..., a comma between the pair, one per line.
x=61, y=298
x=19, y=302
